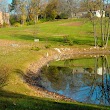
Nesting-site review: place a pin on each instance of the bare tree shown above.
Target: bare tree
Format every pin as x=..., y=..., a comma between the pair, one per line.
x=104, y=21
x=93, y=6
x=4, y=11
x=51, y=10
x=62, y=8
x=73, y=6
x=34, y=9
x=23, y=10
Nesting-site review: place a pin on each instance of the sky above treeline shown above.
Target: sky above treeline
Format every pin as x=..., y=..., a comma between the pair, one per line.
x=9, y=1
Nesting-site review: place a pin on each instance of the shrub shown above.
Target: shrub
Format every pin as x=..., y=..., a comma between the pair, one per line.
x=5, y=24
x=63, y=16
x=65, y=39
x=35, y=48
x=17, y=24
x=14, y=19
x=47, y=46
x=70, y=42
x=43, y=20
x=30, y=23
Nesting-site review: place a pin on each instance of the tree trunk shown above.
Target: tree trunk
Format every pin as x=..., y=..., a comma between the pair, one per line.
x=37, y=17
x=95, y=36
x=108, y=33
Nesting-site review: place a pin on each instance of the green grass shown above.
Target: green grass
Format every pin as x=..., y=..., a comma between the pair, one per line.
x=78, y=31
x=14, y=101
x=16, y=95
x=79, y=62
x=52, y=32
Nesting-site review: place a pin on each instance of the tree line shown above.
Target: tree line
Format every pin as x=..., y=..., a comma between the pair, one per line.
x=32, y=10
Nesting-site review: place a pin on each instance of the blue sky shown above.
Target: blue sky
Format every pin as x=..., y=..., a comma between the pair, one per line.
x=9, y=1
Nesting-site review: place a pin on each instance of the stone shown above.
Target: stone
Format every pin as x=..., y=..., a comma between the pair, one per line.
x=36, y=40
x=14, y=45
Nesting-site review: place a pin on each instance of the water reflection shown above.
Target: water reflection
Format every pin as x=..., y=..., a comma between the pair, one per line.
x=85, y=80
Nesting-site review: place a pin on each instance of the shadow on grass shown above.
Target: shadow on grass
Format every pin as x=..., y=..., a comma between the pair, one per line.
x=56, y=39
x=13, y=101
x=22, y=37
x=3, y=75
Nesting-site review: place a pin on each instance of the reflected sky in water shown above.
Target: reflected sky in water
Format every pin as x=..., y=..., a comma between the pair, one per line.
x=85, y=80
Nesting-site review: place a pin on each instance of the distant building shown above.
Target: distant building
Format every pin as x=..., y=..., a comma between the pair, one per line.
x=4, y=18
x=81, y=14
x=99, y=13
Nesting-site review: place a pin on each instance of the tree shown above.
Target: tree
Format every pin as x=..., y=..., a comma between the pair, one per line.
x=23, y=11
x=104, y=21
x=51, y=9
x=34, y=10
x=62, y=9
x=4, y=12
x=73, y=6
x=4, y=6
x=18, y=7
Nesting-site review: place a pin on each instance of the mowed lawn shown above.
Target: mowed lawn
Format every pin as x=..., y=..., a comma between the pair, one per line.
x=18, y=50
x=78, y=32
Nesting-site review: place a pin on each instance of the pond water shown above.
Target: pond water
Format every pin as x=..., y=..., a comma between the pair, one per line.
x=83, y=79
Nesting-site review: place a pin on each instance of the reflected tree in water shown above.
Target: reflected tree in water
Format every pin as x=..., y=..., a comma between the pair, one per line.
x=86, y=83
x=100, y=88
x=56, y=76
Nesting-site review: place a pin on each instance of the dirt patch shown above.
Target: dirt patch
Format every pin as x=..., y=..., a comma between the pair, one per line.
x=6, y=42
x=72, y=24
x=14, y=44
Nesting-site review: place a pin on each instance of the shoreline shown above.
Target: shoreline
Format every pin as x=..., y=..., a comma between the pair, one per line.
x=33, y=71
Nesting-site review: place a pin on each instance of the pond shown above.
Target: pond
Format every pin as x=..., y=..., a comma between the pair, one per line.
x=84, y=79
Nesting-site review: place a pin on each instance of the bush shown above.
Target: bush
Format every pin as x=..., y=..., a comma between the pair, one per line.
x=14, y=19
x=43, y=20
x=70, y=42
x=30, y=23
x=47, y=46
x=5, y=25
x=62, y=16
x=65, y=39
x=17, y=24
x=35, y=48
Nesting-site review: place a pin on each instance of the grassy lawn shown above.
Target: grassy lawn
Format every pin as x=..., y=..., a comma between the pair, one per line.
x=53, y=32
x=18, y=50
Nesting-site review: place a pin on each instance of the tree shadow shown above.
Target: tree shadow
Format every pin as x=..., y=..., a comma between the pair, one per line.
x=22, y=37
x=56, y=39
x=3, y=75
x=30, y=78
x=14, y=101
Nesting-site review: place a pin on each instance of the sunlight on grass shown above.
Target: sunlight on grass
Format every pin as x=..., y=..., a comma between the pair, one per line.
x=18, y=50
